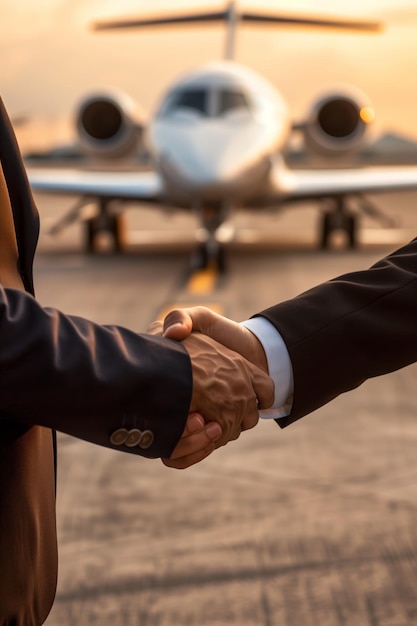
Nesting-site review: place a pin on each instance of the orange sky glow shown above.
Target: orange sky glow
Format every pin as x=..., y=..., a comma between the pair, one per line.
x=50, y=58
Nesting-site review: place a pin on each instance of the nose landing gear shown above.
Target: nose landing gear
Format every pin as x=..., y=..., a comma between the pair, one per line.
x=209, y=256
x=211, y=249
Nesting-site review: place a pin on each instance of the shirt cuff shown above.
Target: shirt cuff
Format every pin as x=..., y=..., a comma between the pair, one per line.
x=279, y=366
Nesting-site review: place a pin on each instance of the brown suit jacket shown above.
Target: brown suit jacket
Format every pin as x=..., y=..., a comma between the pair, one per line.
x=57, y=372
x=349, y=329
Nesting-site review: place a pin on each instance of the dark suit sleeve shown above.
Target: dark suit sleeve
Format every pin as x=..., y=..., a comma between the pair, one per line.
x=87, y=380
x=352, y=328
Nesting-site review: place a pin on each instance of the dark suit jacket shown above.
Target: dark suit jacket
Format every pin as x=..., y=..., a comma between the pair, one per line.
x=103, y=384
x=349, y=329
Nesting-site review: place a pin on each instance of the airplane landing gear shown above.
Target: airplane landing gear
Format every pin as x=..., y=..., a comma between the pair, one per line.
x=211, y=251
x=338, y=220
x=104, y=226
x=206, y=256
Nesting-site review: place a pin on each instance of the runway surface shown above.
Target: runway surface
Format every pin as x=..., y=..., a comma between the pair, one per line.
x=314, y=525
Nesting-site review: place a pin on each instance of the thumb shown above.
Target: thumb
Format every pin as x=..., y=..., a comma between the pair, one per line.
x=180, y=323
x=177, y=325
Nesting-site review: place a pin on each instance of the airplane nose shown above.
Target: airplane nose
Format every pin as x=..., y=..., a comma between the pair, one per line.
x=205, y=161
x=213, y=168
x=211, y=161
x=211, y=164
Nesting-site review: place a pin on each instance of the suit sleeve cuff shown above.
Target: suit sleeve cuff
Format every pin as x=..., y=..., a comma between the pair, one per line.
x=279, y=366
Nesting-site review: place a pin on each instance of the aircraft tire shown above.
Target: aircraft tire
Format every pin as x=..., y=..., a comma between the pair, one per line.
x=90, y=235
x=202, y=259
x=330, y=222
x=117, y=229
x=351, y=231
x=199, y=260
x=221, y=260
x=114, y=226
x=326, y=228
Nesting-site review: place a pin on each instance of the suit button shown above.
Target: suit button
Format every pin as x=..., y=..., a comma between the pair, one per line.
x=119, y=436
x=133, y=438
x=146, y=440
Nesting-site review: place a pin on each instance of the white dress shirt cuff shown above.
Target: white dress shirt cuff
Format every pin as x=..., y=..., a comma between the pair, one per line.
x=279, y=366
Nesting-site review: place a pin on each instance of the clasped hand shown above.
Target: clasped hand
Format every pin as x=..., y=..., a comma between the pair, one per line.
x=230, y=380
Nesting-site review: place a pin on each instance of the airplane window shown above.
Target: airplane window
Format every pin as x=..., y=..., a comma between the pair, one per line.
x=195, y=99
x=205, y=102
x=231, y=100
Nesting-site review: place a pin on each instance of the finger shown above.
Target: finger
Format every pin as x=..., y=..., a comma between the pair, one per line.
x=194, y=424
x=263, y=386
x=179, y=323
x=155, y=328
x=251, y=418
x=196, y=442
x=191, y=459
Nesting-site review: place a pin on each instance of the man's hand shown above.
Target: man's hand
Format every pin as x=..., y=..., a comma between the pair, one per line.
x=179, y=323
x=226, y=387
x=197, y=442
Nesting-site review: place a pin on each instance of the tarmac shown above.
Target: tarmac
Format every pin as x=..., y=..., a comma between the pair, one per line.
x=313, y=525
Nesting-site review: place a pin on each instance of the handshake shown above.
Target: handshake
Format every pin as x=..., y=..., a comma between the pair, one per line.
x=230, y=380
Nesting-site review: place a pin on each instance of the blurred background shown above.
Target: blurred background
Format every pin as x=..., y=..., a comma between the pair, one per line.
x=52, y=58
x=313, y=525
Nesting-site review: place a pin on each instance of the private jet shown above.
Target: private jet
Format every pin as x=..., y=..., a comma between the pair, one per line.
x=216, y=142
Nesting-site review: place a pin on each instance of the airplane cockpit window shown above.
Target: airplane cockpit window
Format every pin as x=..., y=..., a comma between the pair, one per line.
x=231, y=101
x=195, y=99
x=205, y=102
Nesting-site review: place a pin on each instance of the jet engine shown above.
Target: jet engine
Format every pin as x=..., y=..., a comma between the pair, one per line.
x=337, y=123
x=109, y=124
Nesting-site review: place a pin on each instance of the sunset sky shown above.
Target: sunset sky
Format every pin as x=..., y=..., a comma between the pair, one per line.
x=50, y=58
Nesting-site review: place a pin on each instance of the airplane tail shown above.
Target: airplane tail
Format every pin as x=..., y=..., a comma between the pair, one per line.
x=232, y=15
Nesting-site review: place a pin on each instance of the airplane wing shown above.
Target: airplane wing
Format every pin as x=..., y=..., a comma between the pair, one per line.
x=131, y=185
x=343, y=190
x=102, y=187
x=287, y=184
x=231, y=14
x=259, y=17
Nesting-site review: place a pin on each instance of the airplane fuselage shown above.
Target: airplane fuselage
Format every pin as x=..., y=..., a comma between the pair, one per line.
x=215, y=133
